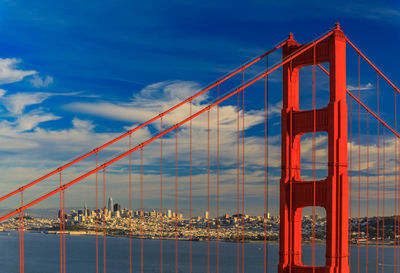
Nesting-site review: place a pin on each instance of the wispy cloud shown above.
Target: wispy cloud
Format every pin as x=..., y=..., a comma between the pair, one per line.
x=38, y=81
x=30, y=120
x=16, y=103
x=9, y=72
x=367, y=86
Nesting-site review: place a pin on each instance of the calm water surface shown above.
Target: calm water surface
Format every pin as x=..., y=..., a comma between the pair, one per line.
x=42, y=255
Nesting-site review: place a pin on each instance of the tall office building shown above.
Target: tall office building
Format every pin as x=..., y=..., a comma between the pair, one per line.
x=206, y=214
x=110, y=204
x=85, y=210
x=117, y=207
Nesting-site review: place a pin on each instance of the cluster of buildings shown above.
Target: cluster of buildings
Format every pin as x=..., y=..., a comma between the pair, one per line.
x=155, y=224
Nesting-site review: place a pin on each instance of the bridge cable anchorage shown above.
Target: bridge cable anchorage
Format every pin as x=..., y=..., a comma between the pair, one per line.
x=208, y=191
x=234, y=92
x=130, y=203
x=313, y=158
x=97, y=216
x=190, y=99
x=266, y=170
x=190, y=189
x=218, y=151
x=176, y=201
x=378, y=184
x=161, y=199
x=105, y=216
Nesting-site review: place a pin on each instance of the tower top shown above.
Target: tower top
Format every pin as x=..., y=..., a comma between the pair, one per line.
x=337, y=25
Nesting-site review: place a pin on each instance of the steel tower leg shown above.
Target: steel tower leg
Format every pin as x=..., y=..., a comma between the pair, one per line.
x=331, y=192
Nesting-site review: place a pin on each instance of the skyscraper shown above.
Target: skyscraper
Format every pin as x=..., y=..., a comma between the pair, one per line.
x=110, y=204
x=85, y=210
x=117, y=207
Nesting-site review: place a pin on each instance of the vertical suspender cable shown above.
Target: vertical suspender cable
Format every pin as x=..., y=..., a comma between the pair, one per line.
x=366, y=246
x=208, y=191
x=378, y=186
x=395, y=185
x=130, y=205
x=237, y=184
x=176, y=200
x=218, y=181
x=63, y=233
x=266, y=171
x=21, y=236
x=141, y=210
x=190, y=191
x=61, y=226
x=383, y=197
x=97, y=219
x=104, y=220
x=359, y=166
x=161, y=198
x=243, y=173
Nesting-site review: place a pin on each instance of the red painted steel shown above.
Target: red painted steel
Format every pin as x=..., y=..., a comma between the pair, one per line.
x=176, y=201
x=237, y=183
x=266, y=172
x=190, y=189
x=97, y=215
x=378, y=184
x=161, y=201
x=332, y=192
x=104, y=221
x=208, y=191
x=243, y=173
x=218, y=182
x=130, y=205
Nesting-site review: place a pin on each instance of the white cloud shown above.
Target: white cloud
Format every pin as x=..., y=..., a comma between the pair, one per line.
x=39, y=82
x=2, y=92
x=16, y=103
x=159, y=97
x=30, y=120
x=9, y=73
x=367, y=86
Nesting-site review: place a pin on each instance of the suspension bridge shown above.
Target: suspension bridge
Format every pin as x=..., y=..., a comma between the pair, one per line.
x=356, y=183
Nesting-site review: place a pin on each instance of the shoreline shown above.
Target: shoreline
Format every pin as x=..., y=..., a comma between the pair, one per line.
x=269, y=242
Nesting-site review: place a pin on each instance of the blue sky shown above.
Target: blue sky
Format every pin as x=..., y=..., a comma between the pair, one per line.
x=76, y=74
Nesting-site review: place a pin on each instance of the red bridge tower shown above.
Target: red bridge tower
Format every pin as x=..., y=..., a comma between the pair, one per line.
x=331, y=193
